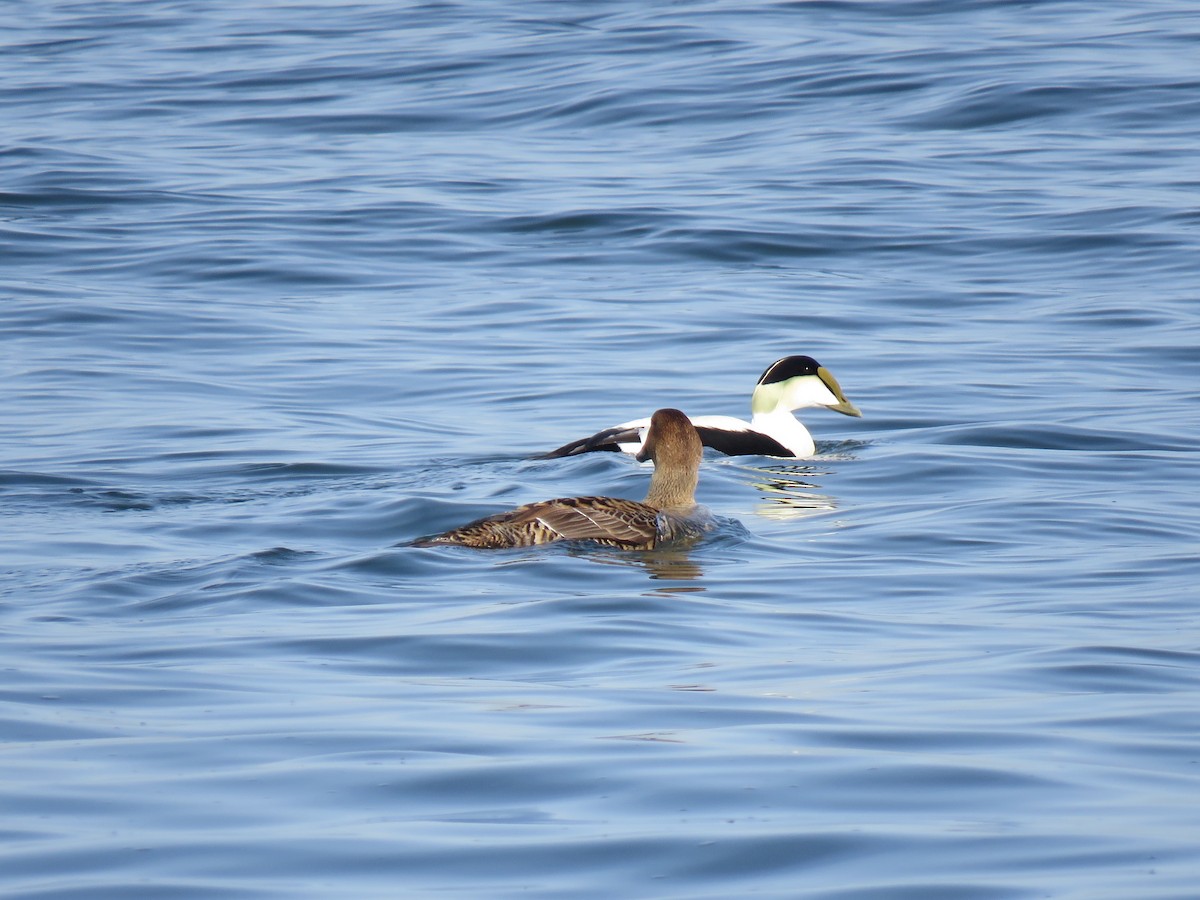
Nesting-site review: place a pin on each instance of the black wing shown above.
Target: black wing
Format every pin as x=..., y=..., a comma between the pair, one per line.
x=742, y=443
x=607, y=440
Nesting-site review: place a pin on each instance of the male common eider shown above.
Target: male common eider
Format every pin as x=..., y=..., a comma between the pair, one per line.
x=668, y=513
x=794, y=382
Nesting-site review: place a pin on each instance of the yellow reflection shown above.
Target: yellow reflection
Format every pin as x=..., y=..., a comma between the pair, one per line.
x=788, y=490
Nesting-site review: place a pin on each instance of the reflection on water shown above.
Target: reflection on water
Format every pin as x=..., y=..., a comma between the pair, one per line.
x=674, y=563
x=788, y=489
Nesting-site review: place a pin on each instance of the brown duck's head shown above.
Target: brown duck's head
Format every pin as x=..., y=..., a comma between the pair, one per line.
x=672, y=441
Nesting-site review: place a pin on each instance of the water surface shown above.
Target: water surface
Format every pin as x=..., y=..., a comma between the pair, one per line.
x=286, y=286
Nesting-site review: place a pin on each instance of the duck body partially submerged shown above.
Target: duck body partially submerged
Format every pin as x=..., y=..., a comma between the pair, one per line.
x=668, y=514
x=610, y=521
x=791, y=383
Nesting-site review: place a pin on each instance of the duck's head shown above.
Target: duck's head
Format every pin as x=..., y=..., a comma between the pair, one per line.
x=796, y=382
x=671, y=441
x=675, y=447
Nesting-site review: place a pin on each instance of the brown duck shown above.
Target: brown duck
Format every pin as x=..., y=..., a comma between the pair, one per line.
x=668, y=513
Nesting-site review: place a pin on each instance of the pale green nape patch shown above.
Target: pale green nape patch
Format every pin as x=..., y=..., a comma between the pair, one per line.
x=767, y=397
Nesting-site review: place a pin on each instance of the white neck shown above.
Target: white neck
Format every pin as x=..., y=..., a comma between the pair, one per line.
x=780, y=424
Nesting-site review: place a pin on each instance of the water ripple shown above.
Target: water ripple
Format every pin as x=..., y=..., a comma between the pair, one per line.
x=284, y=289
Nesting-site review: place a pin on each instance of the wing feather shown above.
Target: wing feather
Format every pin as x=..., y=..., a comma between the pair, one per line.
x=741, y=443
x=610, y=439
x=597, y=519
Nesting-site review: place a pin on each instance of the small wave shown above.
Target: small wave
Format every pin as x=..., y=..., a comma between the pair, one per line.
x=1112, y=670
x=1056, y=437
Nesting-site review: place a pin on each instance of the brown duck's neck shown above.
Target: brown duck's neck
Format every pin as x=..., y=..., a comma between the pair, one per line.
x=670, y=489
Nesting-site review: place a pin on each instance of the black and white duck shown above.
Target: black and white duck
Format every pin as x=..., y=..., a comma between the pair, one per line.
x=791, y=383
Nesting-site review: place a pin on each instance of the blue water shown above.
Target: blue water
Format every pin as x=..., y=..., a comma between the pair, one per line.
x=284, y=286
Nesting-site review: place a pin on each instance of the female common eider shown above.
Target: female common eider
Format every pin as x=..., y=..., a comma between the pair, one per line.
x=668, y=513
x=794, y=382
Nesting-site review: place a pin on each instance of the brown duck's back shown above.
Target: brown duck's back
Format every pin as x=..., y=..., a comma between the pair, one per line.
x=605, y=520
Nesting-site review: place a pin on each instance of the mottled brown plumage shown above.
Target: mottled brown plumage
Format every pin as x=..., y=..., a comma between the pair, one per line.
x=668, y=513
